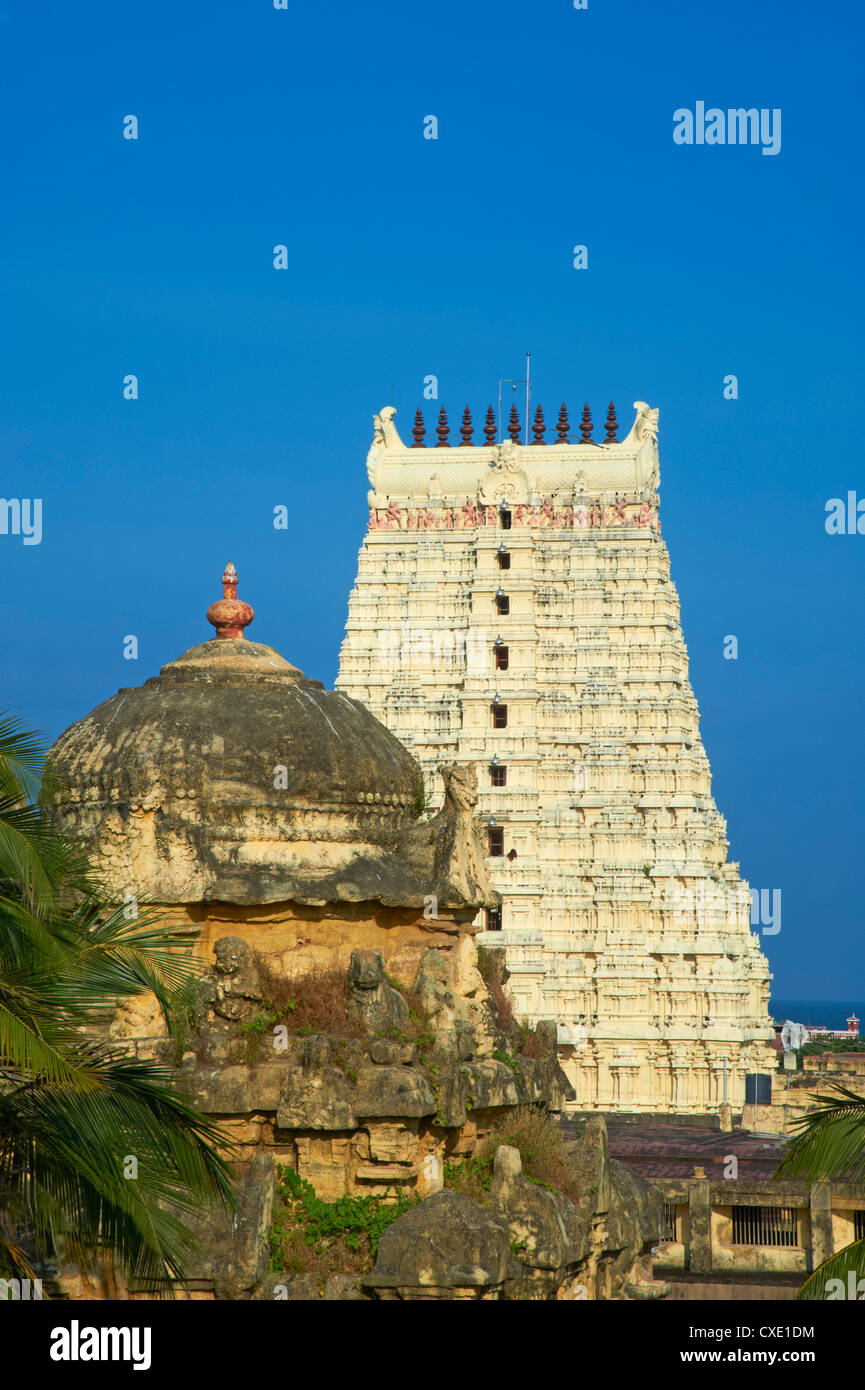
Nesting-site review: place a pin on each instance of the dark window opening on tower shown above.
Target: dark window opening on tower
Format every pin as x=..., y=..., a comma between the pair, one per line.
x=503, y=603
x=506, y=519
x=494, y=919
x=500, y=716
x=504, y=560
x=502, y=658
x=496, y=840
x=498, y=775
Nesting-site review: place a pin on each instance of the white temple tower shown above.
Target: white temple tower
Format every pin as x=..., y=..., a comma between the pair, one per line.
x=513, y=608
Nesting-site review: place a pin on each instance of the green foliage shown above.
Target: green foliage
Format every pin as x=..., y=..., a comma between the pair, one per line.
x=539, y=1141
x=423, y=1043
x=339, y=1061
x=830, y=1145
x=838, y=1266
x=72, y=1109
x=508, y=1060
x=473, y=1177
x=419, y=802
x=831, y=1045
x=356, y=1223
x=259, y=1023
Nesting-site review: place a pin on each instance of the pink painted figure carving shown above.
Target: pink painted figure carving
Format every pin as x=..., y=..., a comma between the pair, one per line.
x=372, y=524
x=413, y=518
x=619, y=510
x=547, y=516
x=595, y=517
x=491, y=516
x=520, y=515
x=581, y=518
x=392, y=516
x=468, y=514
x=645, y=516
x=449, y=520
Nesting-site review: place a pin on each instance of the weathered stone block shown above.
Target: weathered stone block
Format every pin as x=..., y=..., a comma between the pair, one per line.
x=322, y=1099
x=446, y=1245
x=393, y=1091
x=392, y=1054
x=390, y=1143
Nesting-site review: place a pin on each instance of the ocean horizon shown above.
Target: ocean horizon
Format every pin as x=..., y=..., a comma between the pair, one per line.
x=833, y=1013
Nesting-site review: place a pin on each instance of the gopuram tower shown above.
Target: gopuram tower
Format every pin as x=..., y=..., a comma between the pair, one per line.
x=513, y=608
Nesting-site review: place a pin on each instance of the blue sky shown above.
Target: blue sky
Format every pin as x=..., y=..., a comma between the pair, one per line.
x=410, y=256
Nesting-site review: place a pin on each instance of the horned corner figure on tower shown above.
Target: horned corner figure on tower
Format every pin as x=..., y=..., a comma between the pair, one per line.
x=514, y=609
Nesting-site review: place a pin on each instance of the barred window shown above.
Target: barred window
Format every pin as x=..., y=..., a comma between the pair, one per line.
x=765, y=1226
x=859, y=1225
x=669, y=1228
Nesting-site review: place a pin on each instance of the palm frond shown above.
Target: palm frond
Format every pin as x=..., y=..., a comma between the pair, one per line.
x=22, y=756
x=831, y=1140
x=26, y=1054
x=837, y=1271
x=73, y=1114
x=65, y=1162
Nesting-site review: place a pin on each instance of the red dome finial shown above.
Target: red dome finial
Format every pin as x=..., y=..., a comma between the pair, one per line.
x=418, y=430
x=230, y=615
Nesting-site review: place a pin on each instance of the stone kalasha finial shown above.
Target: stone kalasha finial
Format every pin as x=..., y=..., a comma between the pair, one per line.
x=466, y=429
x=562, y=425
x=538, y=427
x=586, y=425
x=443, y=430
x=490, y=426
x=612, y=425
x=514, y=425
x=418, y=431
x=230, y=615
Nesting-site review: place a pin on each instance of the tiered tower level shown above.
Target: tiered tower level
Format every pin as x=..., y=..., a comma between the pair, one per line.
x=513, y=608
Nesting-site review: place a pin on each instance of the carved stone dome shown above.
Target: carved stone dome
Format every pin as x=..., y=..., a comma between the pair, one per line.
x=232, y=777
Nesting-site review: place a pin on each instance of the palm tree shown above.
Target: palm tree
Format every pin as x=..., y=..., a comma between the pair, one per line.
x=75, y=1112
x=831, y=1145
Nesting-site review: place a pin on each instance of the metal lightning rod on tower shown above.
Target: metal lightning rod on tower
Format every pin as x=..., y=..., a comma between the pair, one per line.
x=514, y=382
